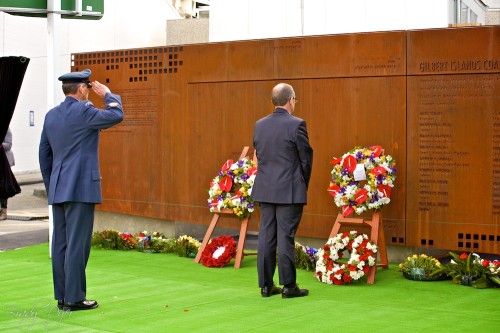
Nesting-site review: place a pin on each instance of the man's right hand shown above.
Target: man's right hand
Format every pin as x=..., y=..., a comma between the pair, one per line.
x=100, y=89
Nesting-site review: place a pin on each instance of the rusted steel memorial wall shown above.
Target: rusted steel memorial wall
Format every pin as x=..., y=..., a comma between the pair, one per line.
x=431, y=98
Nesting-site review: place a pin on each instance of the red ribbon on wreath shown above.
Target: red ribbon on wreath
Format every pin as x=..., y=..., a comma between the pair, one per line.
x=219, y=252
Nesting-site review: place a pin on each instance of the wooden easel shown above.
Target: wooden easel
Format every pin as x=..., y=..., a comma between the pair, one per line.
x=243, y=228
x=377, y=236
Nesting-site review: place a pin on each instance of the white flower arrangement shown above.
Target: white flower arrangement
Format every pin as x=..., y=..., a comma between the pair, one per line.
x=363, y=256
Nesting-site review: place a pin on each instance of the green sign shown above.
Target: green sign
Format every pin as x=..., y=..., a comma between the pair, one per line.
x=91, y=9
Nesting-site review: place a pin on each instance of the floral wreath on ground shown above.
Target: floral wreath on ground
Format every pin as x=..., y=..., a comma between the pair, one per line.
x=145, y=241
x=219, y=252
x=469, y=269
x=363, y=256
x=187, y=246
x=305, y=257
x=420, y=268
x=154, y=242
x=360, y=166
x=232, y=188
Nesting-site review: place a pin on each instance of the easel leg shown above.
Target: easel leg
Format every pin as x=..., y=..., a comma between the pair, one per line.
x=336, y=227
x=377, y=235
x=208, y=234
x=382, y=248
x=241, y=243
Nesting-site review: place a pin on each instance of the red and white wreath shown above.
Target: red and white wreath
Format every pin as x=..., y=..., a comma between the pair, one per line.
x=363, y=256
x=219, y=252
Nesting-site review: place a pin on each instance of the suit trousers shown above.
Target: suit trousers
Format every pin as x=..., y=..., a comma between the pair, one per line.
x=71, y=241
x=278, y=225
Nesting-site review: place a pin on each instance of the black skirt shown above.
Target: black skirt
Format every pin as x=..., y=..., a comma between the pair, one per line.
x=8, y=183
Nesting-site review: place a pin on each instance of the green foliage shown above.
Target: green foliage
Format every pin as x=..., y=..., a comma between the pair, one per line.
x=144, y=241
x=422, y=261
x=110, y=239
x=185, y=248
x=302, y=259
x=470, y=269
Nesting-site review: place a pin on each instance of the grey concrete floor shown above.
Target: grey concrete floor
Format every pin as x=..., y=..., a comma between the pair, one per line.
x=27, y=215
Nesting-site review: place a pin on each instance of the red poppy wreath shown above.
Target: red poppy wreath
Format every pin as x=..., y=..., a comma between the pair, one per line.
x=219, y=252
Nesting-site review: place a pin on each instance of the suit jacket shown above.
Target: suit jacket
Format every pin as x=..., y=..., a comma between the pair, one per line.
x=68, y=152
x=284, y=159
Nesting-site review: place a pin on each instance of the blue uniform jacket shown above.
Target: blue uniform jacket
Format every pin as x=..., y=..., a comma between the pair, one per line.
x=68, y=153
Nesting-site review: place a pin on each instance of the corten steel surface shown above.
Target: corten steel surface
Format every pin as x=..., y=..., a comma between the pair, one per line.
x=189, y=108
x=453, y=193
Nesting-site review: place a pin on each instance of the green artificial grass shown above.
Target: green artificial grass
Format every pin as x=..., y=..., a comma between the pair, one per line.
x=140, y=292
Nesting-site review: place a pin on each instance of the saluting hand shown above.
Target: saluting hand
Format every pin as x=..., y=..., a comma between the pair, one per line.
x=100, y=89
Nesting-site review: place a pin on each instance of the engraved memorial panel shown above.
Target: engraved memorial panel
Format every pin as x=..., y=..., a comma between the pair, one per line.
x=453, y=99
x=429, y=97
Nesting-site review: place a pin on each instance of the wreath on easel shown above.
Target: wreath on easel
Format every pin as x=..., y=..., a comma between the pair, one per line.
x=232, y=188
x=219, y=252
x=363, y=256
x=362, y=179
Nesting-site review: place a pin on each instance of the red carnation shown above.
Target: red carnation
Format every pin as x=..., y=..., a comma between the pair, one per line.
x=352, y=268
x=463, y=256
x=347, y=278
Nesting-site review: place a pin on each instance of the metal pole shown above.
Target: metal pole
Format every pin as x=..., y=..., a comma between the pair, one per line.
x=53, y=57
x=302, y=16
x=78, y=7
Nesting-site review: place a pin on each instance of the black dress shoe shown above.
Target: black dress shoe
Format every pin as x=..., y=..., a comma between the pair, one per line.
x=82, y=305
x=294, y=292
x=60, y=304
x=270, y=291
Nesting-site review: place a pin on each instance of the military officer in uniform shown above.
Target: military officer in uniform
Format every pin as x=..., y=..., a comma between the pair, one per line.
x=68, y=156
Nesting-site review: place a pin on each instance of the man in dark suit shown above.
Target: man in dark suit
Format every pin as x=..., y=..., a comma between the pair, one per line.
x=284, y=169
x=69, y=163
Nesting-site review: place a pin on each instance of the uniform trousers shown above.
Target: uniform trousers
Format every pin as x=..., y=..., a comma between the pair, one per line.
x=71, y=241
x=278, y=225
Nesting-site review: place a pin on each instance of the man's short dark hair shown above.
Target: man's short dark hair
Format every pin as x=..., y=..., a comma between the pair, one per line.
x=71, y=87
